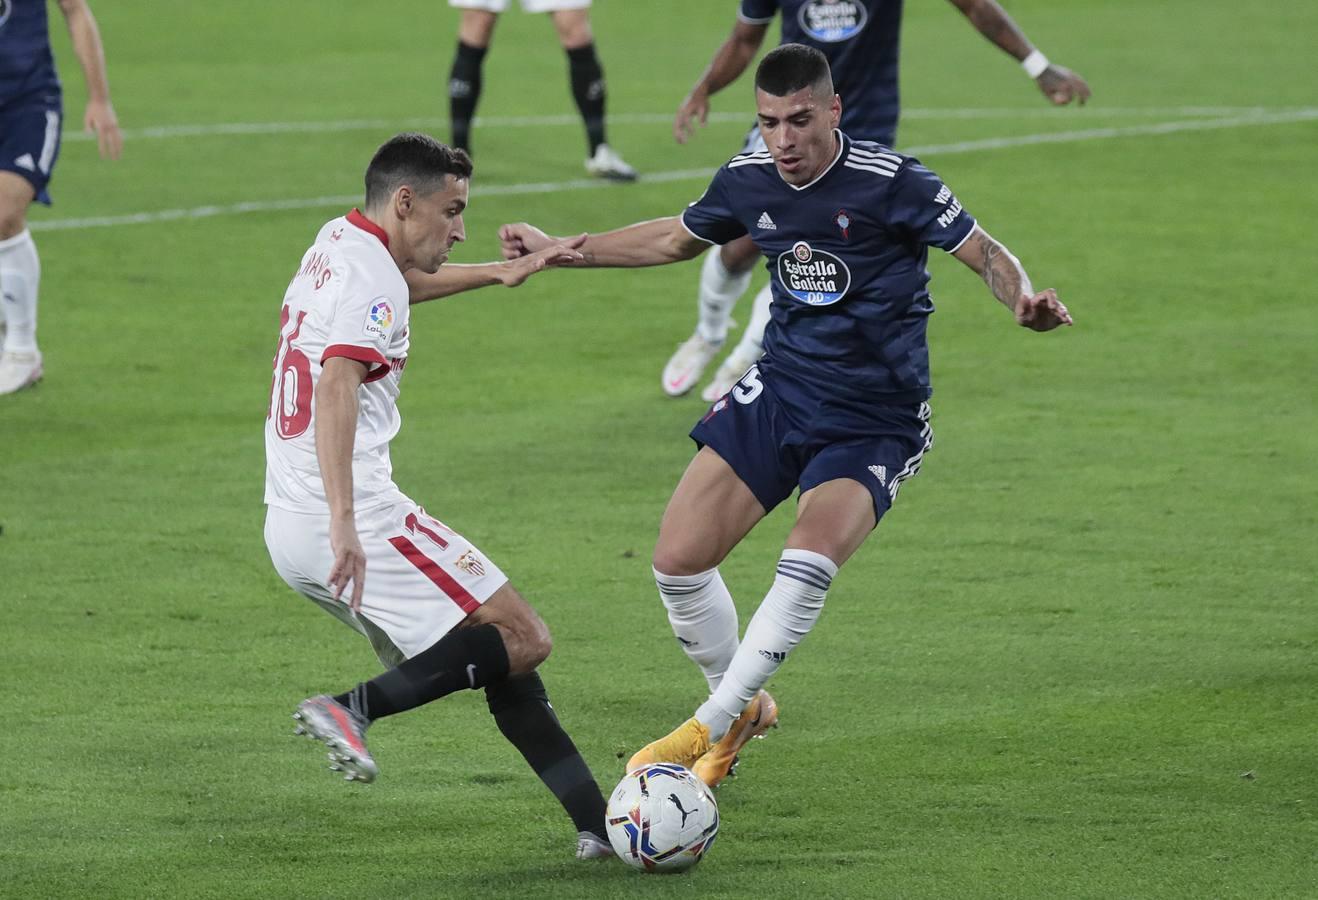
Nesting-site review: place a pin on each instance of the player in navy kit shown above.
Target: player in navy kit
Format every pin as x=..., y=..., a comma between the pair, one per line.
x=861, y=40
x=31, y=112
x=838, y=405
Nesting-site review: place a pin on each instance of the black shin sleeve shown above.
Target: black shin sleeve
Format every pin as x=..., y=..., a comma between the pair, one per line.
x=464, y=91
x=465, y=658
x=521, y=708
x=588, y=90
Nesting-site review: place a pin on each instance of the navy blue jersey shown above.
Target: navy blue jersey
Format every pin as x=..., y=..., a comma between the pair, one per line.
x=27, y=67
x=847, y=258
x=861, y=39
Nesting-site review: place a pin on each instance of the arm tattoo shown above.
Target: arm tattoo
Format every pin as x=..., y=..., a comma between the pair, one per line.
x=1003, y=273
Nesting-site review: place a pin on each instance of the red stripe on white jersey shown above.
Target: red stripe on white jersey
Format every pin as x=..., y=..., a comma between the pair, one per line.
x=379, y=365
x=442, y=580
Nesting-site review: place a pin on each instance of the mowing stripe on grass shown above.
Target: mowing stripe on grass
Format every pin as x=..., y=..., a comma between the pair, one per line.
x=579, y=184
x=224, y=129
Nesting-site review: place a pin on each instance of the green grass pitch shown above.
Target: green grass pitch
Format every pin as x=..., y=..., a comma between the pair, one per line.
x=1077, y=660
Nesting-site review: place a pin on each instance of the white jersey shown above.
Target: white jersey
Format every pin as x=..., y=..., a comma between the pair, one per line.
x=348, y=299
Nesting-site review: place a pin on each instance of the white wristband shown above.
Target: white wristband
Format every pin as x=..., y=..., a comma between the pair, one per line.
x=1034, y=64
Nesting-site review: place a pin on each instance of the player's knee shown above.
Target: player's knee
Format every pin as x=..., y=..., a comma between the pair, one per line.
x=542, y=643
x=533, y=642
x=669, y=560
x=573, y=27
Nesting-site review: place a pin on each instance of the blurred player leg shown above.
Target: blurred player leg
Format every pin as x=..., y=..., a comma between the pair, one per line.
x=747, y=352
x=586, y=78
x=464, y=81
x=20, y=276
x=724, y=276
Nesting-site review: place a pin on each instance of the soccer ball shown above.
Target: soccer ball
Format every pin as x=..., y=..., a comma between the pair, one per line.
x=661, y=818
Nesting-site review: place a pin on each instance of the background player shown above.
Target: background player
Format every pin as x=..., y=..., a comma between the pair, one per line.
x=434, y=607
x=31, y=113
x=861, y=39
x=837, y=407
x=572, y=22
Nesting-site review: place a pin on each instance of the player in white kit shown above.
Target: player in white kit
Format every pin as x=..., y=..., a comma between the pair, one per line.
x=438, y=612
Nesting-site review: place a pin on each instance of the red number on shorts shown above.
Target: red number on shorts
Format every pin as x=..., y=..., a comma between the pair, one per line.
x=291, y=387
x=414, y=526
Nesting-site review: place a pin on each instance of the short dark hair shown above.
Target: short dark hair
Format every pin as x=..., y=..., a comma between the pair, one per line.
x=417, y=160
x=791, y=67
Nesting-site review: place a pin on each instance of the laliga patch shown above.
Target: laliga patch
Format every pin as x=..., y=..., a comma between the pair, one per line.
x=813, y=276
x=378, y=318
x=831, y=21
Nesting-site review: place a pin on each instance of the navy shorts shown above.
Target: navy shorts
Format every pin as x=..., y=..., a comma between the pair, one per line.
x=30, y=140
x=762, y=433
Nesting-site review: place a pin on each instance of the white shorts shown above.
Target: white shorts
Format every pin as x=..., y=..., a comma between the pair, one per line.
x=531, y=6
x=422, y=577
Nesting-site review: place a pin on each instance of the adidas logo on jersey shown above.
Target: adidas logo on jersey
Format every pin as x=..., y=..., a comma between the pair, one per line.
x=26, y=162
x=881, y=473
x=766, y=223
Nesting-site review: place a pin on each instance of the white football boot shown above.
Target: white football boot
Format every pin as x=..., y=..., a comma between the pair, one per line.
x=735, y=366
x=685, y=367
x=589, y=846
x=19, y=370
x=606, y=163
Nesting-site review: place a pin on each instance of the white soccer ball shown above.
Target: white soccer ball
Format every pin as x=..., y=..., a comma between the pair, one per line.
x=661, y=818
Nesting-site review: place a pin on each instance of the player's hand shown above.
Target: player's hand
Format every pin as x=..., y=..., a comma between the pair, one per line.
x=695, y=106
x=563, y=253
x=100, y=118
x=1060, y=85
x=522, y=239
x=349, y=561
x=1042, y=312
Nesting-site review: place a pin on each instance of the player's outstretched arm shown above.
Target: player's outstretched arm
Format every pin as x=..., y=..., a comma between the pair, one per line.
x=100, y=117
x=454, y=278
x=336, y=429
x=729, y=62
x=1006, y=278
x=654, y=243
x=1058, y=83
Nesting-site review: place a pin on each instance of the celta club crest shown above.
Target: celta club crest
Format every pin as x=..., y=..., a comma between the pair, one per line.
x=831, y=21
x=843, y=222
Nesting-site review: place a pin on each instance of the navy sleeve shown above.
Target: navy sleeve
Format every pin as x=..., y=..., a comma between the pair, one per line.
x=711, y=218
x=757, y=12
x=926, y=209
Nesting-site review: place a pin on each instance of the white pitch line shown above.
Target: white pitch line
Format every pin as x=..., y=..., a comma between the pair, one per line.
x=230, y=129
x=580, y=184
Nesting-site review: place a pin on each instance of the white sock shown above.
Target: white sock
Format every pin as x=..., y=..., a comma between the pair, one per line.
x=20, y=273
x=788, y=612
x=719, y=290
x=703, y=617
x=751, y=345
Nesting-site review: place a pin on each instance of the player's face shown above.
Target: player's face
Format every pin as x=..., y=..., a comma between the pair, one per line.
x=434, y=224
x=798, y=130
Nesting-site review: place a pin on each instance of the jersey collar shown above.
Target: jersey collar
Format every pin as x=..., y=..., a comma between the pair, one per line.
x=356, y=218
x=841, y=151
